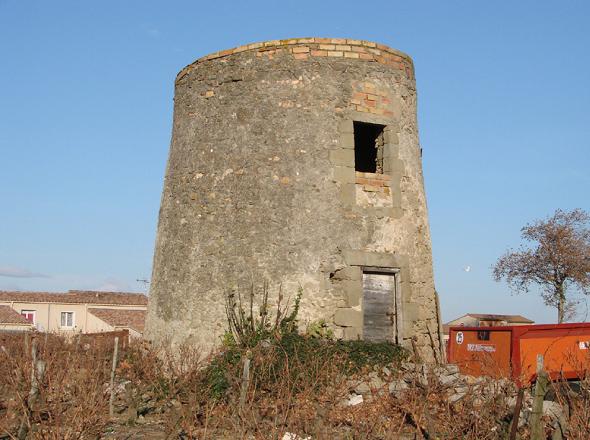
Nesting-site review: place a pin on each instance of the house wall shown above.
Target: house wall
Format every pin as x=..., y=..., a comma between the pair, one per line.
x=261, y=185
x=468, y=321
x=43, y=311
x=48, y=316
x=54, y=317
x=133, y=334
x=95, y=325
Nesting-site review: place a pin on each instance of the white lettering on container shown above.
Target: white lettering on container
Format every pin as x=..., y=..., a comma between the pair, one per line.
x=481, y=347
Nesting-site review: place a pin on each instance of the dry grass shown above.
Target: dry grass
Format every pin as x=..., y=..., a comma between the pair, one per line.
x=296, y=386
x=73, y=400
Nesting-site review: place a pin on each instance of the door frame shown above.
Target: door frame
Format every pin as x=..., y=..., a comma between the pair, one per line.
x=397, y=297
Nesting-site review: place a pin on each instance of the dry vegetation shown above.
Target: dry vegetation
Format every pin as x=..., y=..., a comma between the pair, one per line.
x=298, y=384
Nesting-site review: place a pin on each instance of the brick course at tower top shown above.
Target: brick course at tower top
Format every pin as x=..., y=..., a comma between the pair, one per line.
x=304, y=48
x=261, y=184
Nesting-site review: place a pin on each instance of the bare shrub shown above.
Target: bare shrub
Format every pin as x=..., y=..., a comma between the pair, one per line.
x=298, y=384
x=73, y=401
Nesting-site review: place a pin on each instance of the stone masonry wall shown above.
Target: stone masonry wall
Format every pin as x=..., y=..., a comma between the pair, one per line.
x=261, y=185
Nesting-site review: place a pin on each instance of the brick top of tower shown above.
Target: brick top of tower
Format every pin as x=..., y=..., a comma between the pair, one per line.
x=306, y=48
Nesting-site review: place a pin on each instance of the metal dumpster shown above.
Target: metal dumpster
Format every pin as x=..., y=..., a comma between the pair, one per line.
x=511, y=351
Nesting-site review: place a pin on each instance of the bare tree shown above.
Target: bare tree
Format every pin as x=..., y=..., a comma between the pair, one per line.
x=556, y=257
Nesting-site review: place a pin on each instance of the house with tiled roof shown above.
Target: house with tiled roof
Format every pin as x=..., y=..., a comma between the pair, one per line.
x=11, y=320
x=120, y=319
x=485, y=320
x=75, y=311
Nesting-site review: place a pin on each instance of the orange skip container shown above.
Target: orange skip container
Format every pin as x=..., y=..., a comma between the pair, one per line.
x=511, y=351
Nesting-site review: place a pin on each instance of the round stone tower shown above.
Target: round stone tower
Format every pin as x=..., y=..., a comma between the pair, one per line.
x=296, y=162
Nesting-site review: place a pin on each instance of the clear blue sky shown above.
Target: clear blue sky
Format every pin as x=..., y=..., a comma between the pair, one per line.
x=86, y=94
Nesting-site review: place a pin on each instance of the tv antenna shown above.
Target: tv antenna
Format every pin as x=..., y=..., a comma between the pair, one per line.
x=144, y=281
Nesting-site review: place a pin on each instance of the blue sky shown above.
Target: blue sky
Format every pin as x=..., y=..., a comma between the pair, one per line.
x=86, y=94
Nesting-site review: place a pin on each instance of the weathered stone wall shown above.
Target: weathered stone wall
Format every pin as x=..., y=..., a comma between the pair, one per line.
x=261, y=184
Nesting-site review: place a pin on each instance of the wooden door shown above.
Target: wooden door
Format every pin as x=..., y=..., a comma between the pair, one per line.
x=379, y=317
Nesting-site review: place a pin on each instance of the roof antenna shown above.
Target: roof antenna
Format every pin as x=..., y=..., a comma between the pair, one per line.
x=145, y=282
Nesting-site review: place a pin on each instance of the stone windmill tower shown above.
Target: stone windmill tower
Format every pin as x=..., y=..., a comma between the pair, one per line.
x=296, y=161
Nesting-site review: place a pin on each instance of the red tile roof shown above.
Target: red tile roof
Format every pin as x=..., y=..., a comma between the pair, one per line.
x=507, y=318
x=76, y=297
x=10, y=316
x=134, y=319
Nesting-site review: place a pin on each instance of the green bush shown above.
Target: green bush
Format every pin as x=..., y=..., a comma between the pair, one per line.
x=221, y=373
x=362, y=353
x=320, y=329
x=281, y=358
x=299, y=361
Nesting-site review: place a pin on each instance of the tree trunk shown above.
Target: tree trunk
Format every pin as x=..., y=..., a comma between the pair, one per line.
x=560, y=292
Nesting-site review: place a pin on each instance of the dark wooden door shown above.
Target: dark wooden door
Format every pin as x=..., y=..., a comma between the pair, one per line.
x=378, y=306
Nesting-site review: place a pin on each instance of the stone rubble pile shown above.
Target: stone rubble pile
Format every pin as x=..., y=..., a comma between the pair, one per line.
x=134, y=405
x=410, y=374
x=447, y=378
